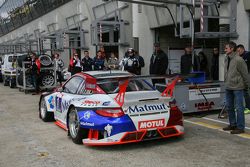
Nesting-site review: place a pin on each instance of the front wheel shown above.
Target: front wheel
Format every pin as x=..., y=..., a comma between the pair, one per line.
x=75, y=131
x=43, y=112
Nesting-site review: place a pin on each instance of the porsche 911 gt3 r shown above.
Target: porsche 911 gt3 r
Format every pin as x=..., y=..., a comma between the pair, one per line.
x=111, y=107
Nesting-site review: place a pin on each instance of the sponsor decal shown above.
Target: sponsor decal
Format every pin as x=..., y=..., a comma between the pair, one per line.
x=213, y=92
x=106, y=103
x=86, y=115
x=147, y=107
x=51, y=102
x=87, y=124
x=108, y=129
x=90, y=103
x=151, y=124
x=58, y=104
x=204, y=105
x=64, y=104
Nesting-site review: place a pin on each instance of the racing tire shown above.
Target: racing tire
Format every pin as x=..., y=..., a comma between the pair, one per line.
x=45, y=60
x=43, y=112
x=75, y=131
x=47, y=80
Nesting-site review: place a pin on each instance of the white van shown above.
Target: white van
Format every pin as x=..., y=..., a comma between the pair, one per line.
x=9, y=64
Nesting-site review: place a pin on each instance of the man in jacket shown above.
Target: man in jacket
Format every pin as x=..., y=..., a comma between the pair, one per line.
x=187, y=65
x=87, y=62
x=246, y=56
x=35, y=67
x=59, y=68
x=130, y=63
x=215, y=65
x=158, y=63
x=236, y=80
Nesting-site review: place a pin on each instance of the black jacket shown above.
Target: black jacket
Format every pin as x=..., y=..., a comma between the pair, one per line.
x=87, y=64
x=131, y=64
x=246, y=57
x=215, y=67
x=158, y=63
x=186, y=63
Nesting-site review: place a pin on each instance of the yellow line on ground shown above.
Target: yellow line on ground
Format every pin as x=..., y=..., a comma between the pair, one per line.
x=208, y=125
x=245, y=135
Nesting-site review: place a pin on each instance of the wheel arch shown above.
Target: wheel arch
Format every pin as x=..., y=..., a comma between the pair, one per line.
x=67, y=117
x=67, y=120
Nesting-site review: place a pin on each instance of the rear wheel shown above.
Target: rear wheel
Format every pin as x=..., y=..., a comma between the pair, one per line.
x=43, y=112
x=75, y=131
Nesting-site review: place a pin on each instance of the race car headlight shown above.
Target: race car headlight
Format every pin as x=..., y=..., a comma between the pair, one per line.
x=110, y=112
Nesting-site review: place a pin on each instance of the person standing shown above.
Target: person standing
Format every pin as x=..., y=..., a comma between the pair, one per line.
x=112, y=63
x=246, y=56
x=75, y=64
x=215, y=65
x=59, y=68
x=141, y=62
x=35, y=67
x=103, y=54
x=187, y=65
x=98, y=61
x=130, y=63
x=236, y=80
x=158, y=63
x=203, y=63
x=87, y=62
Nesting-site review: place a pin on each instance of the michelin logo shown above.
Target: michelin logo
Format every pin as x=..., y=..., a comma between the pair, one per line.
x=152, y=107
x=86, y=115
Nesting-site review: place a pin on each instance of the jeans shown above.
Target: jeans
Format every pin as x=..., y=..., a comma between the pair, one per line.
x=235, y=108
x=34, y=81
x=247, y=99
x=59, y=77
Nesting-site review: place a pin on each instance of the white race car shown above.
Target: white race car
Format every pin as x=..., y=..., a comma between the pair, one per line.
x=111, y=107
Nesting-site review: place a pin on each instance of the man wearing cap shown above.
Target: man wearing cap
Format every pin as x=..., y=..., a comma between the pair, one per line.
x=130, y=62
x=158, y=63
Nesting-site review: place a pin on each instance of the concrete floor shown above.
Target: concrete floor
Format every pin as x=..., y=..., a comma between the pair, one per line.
x=26, y=141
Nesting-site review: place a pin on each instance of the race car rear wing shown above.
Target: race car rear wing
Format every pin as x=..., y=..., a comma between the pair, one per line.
x=195, y=77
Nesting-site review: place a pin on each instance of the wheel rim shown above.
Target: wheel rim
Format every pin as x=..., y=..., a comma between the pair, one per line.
x=43, y=108
x=45, y=60
x=48, y=80
x=73, y=124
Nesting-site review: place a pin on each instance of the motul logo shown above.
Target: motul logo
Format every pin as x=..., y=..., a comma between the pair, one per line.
x=204, y=106
x=151, y=124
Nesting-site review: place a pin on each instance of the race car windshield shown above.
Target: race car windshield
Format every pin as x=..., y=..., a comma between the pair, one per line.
x=112, y=86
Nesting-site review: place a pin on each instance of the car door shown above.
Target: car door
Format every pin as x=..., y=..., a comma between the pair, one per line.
x=65, y=98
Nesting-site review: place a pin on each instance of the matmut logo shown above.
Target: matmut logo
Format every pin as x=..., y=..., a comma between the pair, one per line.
x=147, y=107
x=151, y=124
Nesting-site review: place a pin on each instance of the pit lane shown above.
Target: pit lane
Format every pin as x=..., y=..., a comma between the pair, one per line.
x=27, y=141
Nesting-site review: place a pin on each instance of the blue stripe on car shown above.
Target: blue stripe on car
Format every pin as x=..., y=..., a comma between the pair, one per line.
x=90, y=120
